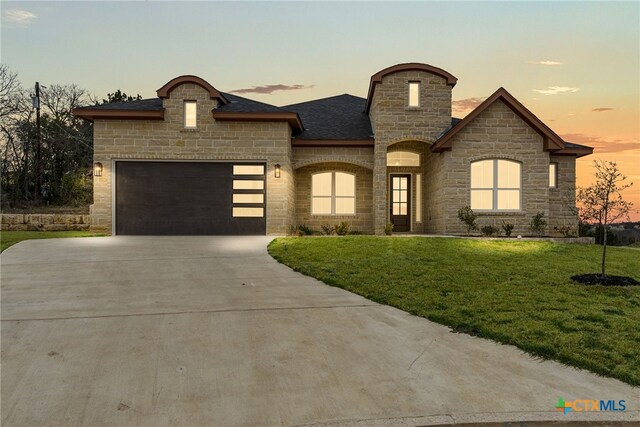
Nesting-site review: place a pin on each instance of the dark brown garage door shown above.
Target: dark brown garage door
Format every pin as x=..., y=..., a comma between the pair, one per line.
x=190, y=198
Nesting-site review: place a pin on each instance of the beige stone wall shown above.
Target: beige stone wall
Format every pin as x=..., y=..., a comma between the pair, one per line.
x=562, y=199
x=434, y=200
x=363, y=219
x=303, y=156
x=168, y=140
x=394, y=121
x=496, y=133
x=44, y=222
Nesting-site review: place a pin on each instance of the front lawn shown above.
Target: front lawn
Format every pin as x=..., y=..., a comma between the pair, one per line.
x=517, y=293
x=10, y=238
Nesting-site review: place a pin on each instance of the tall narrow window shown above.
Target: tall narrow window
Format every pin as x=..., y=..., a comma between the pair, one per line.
x=553, y=175
x=333, y=193
x=190, y=114
x=418, y=197
x=414, y=94
x=495, y=185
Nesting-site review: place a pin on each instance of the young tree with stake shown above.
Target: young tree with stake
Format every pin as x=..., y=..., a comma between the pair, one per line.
x=602, y=201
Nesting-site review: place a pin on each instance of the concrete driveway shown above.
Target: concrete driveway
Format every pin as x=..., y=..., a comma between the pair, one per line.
x=201, y=331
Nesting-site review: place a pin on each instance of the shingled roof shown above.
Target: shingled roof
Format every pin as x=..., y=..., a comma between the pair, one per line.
x=137, y=105
x=338, y=117
x=238, y=104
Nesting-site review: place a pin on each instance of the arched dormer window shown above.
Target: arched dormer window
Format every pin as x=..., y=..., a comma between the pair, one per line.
x=496, y=185
x=403, y=158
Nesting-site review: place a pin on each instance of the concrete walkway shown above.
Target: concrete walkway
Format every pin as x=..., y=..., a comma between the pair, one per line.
x=154, y=331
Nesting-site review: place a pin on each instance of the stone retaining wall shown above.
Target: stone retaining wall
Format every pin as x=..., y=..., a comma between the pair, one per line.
x=44, y=222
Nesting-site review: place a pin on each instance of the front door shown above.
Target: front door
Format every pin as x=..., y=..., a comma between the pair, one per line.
x=400, y=202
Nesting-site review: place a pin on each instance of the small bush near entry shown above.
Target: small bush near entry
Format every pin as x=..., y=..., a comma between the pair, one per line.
x=468, y=217
x=342, y=229
x=489, y=230
x=305, y=230
x=508, y=228
x=327, y=229
x=388, y=229
x=538, y=224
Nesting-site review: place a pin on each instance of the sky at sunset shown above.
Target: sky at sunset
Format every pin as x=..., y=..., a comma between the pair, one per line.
x=576, y=65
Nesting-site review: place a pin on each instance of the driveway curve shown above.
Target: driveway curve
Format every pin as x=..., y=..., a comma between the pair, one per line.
x=212, y=331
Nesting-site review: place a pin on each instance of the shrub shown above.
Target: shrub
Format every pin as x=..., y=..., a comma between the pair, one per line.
x=566, y=230
x=388, y=229
x=538, y=224
x=327, y=229
x=305, y=230
x=355, y=233
x=342, y=229
x=76, y=189
x=489, y=230
x=508, y=228
x=468, y=217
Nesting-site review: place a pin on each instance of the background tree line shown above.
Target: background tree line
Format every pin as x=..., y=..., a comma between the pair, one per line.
x=51, y=165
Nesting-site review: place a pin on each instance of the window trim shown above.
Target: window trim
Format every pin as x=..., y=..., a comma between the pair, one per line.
x=188, y=101
x=494, y=188
x=333, y=196
x=409, y=83
x=418, y=195
x=555, y=175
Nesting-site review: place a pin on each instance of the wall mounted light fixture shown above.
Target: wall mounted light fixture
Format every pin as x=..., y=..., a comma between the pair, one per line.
x=277, y=170
x=97, y=169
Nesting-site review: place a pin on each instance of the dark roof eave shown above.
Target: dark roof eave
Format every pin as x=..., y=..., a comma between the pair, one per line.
x=581, y=151
x=290, y=117
x=95, y=113
x=332, y=142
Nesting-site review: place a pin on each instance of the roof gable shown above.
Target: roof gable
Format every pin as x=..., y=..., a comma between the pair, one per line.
x=410, y=66
x=551, y=140
x=165, y=90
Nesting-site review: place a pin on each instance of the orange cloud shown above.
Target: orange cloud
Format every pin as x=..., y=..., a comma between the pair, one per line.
x=602, y=145
x=466, y=104
x=269, y=89
x=601, y=109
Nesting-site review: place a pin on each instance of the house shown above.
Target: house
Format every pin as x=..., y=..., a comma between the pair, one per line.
x=195, y=160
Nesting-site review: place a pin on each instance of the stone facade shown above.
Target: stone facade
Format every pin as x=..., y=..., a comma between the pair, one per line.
x=394, y=121
x=211, y=140
x=303, y=156
x=362, y=221
x=497, y=132
x=562, y=198
x=44, y=222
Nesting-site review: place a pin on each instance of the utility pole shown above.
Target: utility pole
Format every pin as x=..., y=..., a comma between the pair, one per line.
x=39, y=145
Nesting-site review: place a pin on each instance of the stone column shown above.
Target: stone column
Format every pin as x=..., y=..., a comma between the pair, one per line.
x=380, y=205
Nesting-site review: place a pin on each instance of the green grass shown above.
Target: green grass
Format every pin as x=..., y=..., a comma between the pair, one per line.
x=517, y=293
x=10, y=238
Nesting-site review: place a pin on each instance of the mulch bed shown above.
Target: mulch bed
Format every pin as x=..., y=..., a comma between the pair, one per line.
x=597, y=279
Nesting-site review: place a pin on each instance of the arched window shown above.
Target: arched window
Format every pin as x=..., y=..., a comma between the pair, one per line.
x=333, y=193
x=403, y=158
x=495, y=185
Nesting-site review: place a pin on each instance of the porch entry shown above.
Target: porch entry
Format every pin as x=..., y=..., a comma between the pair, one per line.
x=400, y=202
